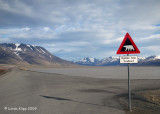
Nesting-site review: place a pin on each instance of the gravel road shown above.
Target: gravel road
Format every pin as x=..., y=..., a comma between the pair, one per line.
x=31, y=92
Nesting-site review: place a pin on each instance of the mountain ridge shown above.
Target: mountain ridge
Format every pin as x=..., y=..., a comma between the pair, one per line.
x=19, y=53
x=114, y=61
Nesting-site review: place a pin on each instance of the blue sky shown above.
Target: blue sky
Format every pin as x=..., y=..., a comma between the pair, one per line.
x=73, y=29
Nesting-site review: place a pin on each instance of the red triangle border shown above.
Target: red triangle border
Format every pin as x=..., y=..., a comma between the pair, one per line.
x=122, y=44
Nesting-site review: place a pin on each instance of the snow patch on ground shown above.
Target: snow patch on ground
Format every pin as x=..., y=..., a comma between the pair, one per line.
x=30, y=47
x=38, y=50
x=43, y=51
x=157, y=57
x=18, y=55
x=91, y=60
x=18, y=49
x=17, y=45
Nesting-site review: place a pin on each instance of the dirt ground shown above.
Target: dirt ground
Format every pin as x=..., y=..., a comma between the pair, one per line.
x=2, y=71
x=143, y=102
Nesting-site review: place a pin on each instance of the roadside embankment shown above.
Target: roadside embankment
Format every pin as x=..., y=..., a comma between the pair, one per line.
x=3, y=71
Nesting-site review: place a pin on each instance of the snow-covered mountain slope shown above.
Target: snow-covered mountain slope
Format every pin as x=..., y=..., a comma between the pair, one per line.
x=31, y=54
x=9, y=57
x=87, y=61
x=96, y=62
x=141, y=58
x=114, y=61
x=151, y=60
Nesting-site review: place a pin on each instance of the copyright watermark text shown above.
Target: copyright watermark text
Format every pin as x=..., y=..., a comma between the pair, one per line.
x=20, y=108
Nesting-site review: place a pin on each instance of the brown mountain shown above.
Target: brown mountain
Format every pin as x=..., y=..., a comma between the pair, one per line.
x=11, y=53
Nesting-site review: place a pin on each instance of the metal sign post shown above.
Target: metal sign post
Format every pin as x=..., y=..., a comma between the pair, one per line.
x=129, y=89
x=128, y=47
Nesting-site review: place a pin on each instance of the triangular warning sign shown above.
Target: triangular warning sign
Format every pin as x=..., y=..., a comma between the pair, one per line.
x=128, y=46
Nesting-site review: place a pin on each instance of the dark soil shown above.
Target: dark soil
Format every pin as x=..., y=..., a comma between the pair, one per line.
x=2, y=71
x=143, y=102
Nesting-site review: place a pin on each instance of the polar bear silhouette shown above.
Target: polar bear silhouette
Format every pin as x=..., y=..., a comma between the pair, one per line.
x=128, y=48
